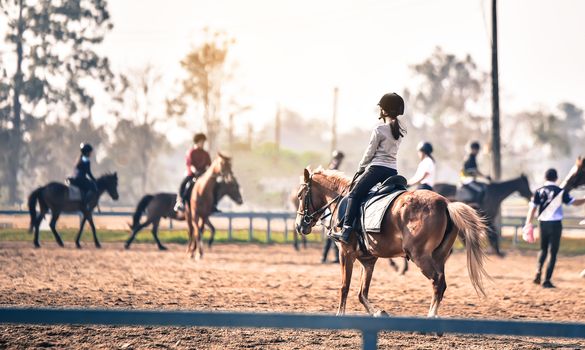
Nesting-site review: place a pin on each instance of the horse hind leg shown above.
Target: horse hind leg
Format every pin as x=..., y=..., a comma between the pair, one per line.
x=37, y=227
x=78, y=237
x=436, y=274
x=53, y=226
x=212, y=234
x=135, y=232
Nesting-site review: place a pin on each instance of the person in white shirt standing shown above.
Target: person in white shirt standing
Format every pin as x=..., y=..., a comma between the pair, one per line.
x=425, y=172
x=549, y=201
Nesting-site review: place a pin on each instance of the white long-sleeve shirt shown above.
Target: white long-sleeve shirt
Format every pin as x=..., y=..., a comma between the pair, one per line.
x=382, y=149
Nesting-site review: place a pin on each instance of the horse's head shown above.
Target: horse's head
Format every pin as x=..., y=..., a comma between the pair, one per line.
x=311, y=201
x=230, y=187
x=576, y=176
x=109, y=183
x=222, y=165
x=524, y=189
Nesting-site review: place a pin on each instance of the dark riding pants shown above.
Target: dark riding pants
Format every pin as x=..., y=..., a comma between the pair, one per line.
x=373, y=175
x=424, y=187
x=550, y=236
x=183, y=186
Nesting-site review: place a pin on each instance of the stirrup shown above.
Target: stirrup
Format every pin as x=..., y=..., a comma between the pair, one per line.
x=179, y=206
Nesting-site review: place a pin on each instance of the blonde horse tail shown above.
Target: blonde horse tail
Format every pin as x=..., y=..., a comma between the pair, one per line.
x=472, y=230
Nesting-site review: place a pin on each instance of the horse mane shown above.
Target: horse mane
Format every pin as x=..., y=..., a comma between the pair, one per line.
x=337, y=179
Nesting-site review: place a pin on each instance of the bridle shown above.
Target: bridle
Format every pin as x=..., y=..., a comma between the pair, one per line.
x=309, y=218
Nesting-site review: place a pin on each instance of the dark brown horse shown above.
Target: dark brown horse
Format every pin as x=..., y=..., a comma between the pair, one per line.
x=421, y=225
x=200, y=205
x=55, y=196
x=495, y=194
x=160, y=205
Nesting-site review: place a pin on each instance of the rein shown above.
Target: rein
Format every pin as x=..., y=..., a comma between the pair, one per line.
x=308, y=218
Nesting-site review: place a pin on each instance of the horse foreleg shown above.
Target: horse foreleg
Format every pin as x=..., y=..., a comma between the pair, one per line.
x=199, y=239
x=368, y=264
x=346, y=270
x=53, y=226
x=212, y=234
x=78, y=237
x=135, y=232
x=95, y=238
x=190, y=229
x=404, y=267
x=155, y=234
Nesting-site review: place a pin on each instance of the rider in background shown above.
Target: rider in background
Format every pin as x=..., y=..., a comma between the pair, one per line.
x=551, y=226
x=82, y=176
x=378, y=162
x=425, y=172
x=197, y=161
x=471, y=172
x=336, y=160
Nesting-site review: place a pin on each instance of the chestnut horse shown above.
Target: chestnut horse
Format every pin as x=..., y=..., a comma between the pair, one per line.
x=420, y=225
x=200, y=205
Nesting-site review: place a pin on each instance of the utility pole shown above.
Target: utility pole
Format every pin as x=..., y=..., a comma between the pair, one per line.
x=496, y=154
x=334, y=121
x=277, y=129
x=231, y=134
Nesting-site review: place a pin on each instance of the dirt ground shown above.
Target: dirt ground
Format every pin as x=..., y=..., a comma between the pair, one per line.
x=265, y=278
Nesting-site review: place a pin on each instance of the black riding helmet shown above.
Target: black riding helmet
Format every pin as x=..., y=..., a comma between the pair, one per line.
x=425, y=147
x=85, y=148
x=475, y=146
x=392, y=104
x=337, y=155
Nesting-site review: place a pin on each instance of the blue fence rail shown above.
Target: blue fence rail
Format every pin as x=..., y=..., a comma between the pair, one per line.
x=368, y=326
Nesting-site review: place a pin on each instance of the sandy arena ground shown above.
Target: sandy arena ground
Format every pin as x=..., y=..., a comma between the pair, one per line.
x=265, y=278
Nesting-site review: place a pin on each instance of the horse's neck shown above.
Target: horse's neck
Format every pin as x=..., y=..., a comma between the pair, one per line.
x=329, y=191
x=208, y=181
x=500, y=191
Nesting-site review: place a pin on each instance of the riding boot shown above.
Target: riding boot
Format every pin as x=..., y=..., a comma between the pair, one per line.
x=179, y=204
x=348, y=221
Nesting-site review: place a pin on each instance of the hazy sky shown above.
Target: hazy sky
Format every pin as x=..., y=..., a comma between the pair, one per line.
x=295, y=52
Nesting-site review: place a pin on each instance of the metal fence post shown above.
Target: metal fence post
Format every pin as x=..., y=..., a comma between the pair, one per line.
x=515, y=241
x=229, y=228
x=285, y=230
x=268, y=233
x=370, y=340
x=250, y=230
x=170, y=224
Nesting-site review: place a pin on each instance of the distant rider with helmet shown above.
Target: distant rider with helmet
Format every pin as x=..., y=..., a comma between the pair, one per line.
x=425, y=172
x=378, y=162
x=470, y=173
x=82, y=176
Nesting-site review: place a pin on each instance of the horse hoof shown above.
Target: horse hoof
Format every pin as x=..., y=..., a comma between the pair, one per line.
x=162, y=247
x=37, y=246
x=127, y=246
x=98, y=246
x=77, y=245
x=381, y=313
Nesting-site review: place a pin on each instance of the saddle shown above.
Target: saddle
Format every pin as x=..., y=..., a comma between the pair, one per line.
x=375, y=205
x=472, y=192
x=73, y=191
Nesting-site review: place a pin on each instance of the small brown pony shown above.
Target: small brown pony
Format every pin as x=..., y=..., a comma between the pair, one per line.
x=419, y=225
x=200, y=205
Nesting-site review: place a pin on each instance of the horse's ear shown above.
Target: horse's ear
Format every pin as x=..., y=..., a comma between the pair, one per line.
x=307, y=175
